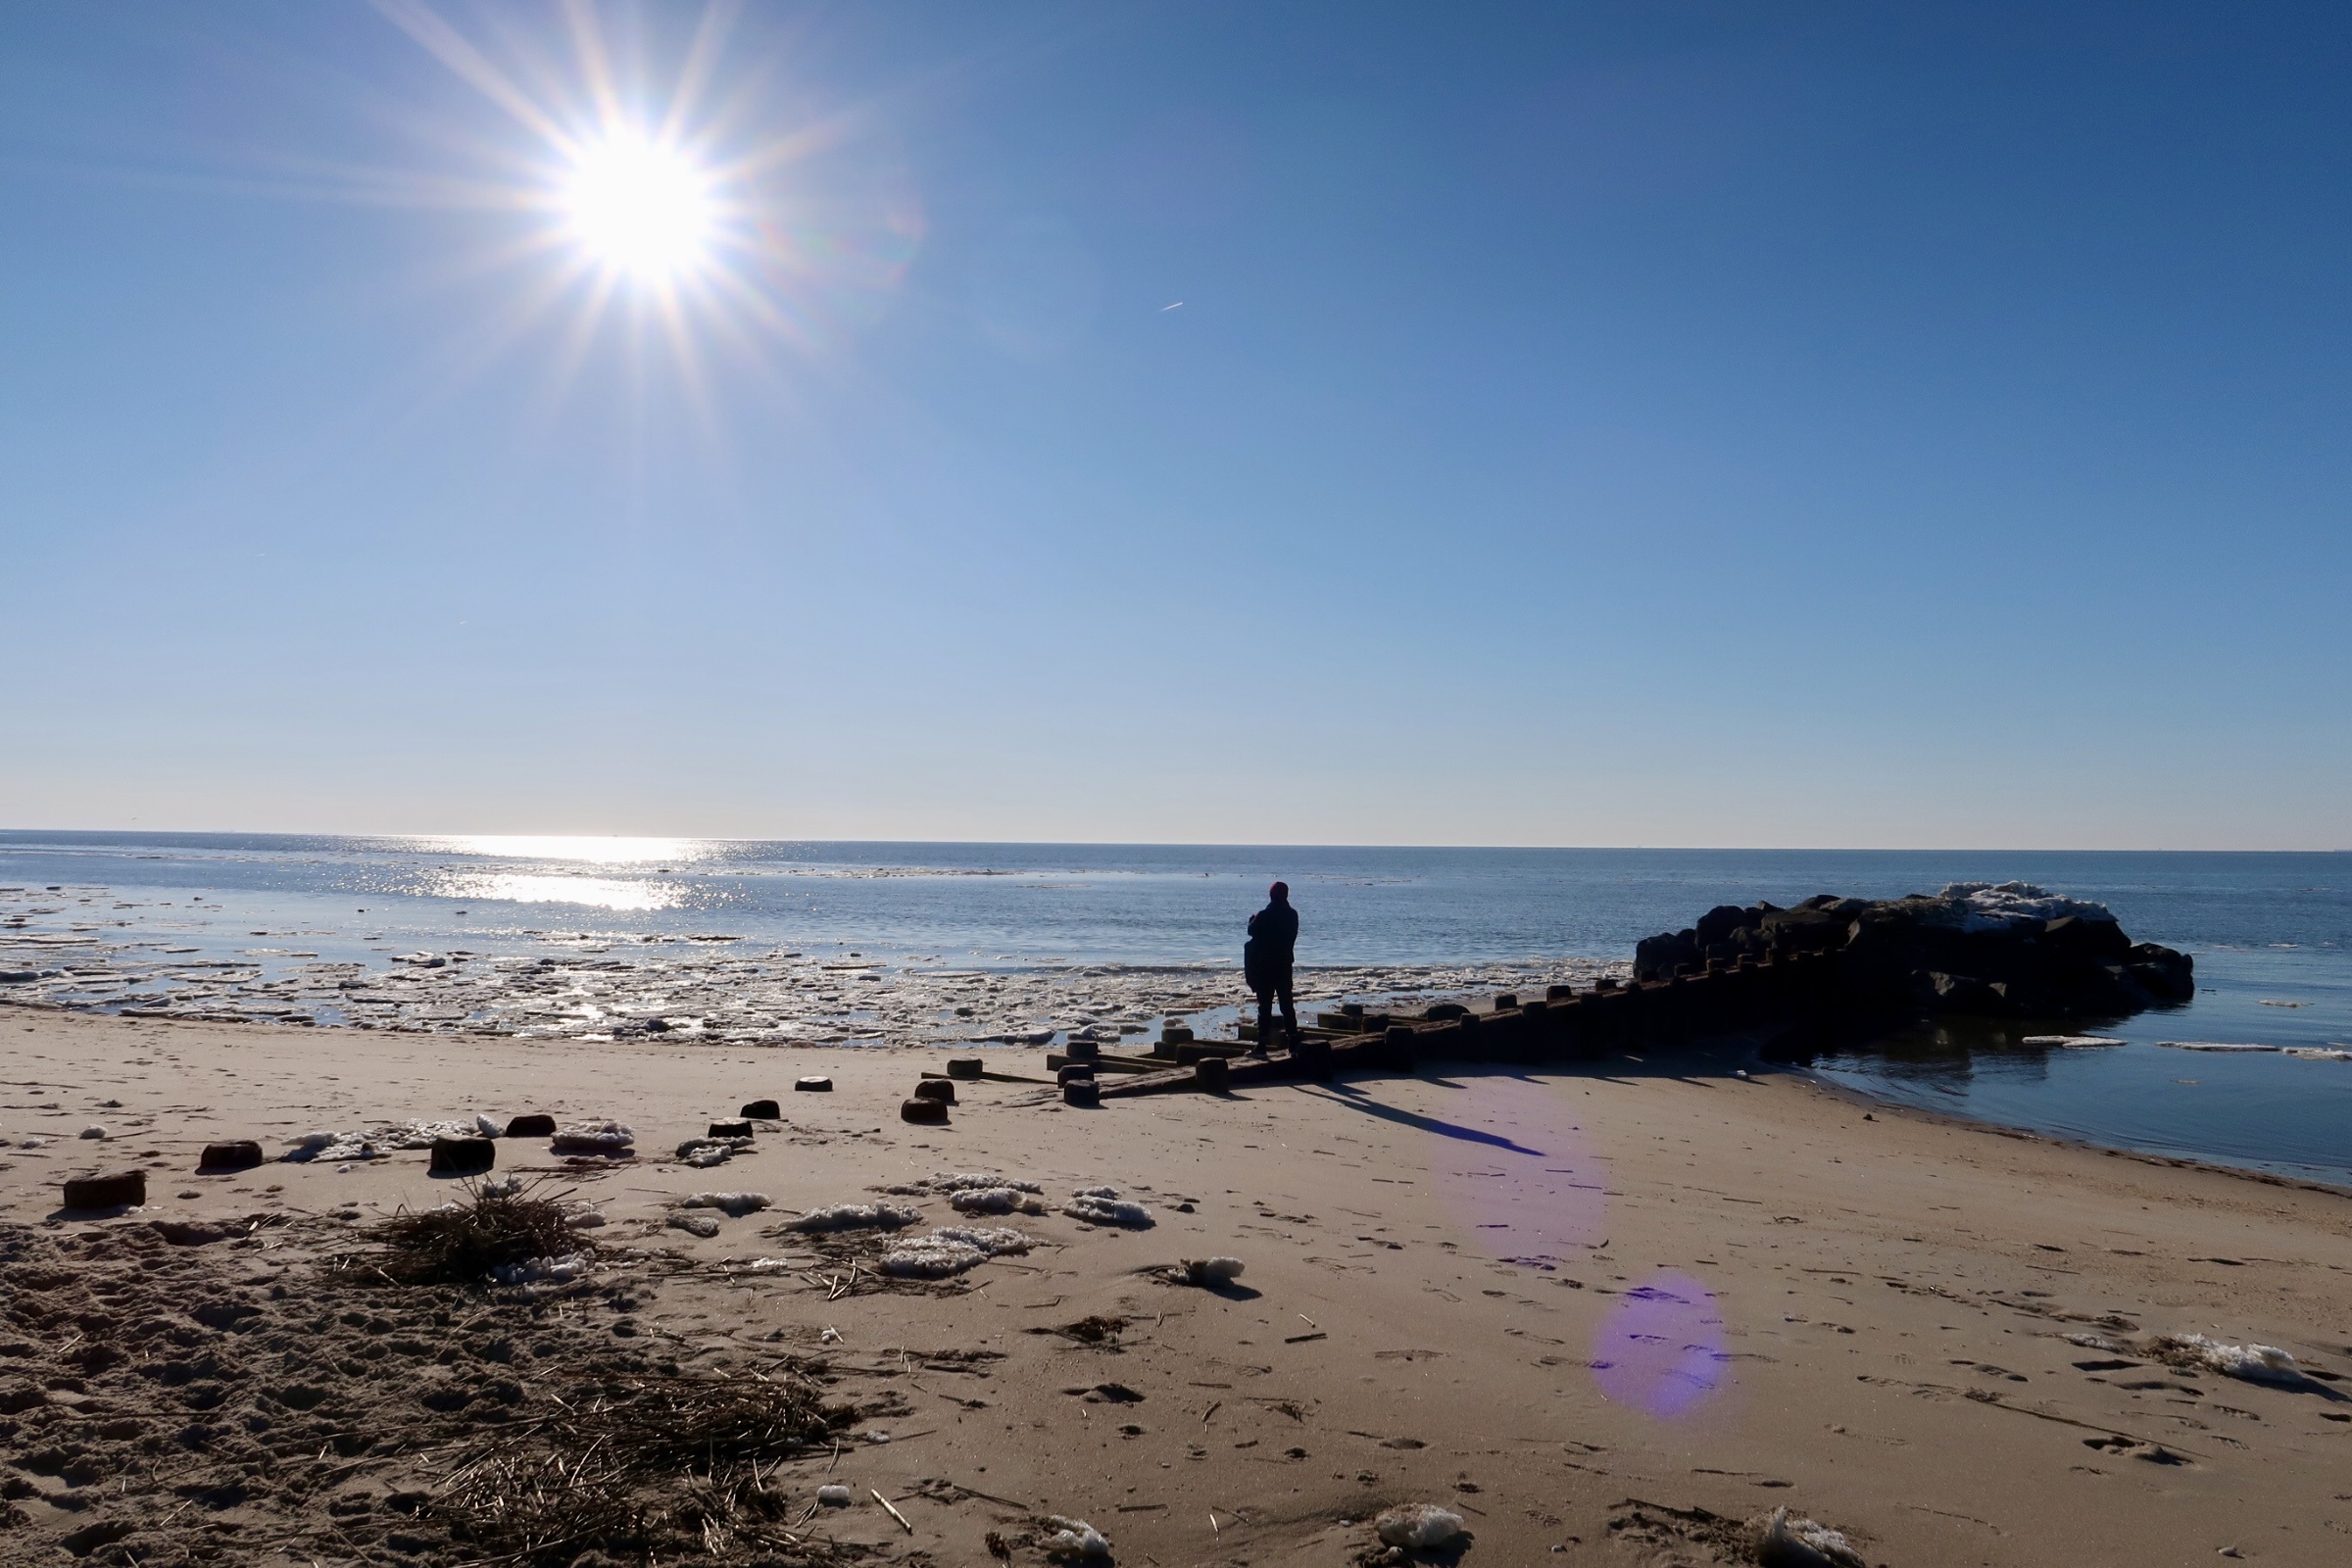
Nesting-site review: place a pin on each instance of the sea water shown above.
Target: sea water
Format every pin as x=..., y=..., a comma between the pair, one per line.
x=582, y=937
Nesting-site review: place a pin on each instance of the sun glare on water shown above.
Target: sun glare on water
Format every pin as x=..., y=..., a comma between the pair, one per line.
x=641, y=209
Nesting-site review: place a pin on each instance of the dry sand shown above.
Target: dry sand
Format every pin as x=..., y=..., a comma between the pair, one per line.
x=1927, y=1335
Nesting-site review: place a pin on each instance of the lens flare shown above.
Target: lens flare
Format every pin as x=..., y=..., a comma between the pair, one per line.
x=1661, y=1347
x=642, y=209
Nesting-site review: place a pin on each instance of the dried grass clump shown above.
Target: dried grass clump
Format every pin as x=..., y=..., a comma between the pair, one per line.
x=491, y=1226
x=654, y=1466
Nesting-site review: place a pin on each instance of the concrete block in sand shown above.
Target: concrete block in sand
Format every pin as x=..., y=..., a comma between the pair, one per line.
x=1212, y=1074
x=463, y=1157
x=762, y=1110
x=1081, y=1092
x=932, y=1111
x=531, y=1127
x=812, y=1086
x=965, y=1066
x=113, y=1190
x=938, y=1088
x=729, y=1129
x=1085, y=1050
x=220, y=1158
x=1074, y=1069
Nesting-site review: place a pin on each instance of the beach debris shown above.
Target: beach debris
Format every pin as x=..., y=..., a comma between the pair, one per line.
x=93, y=1131
x=1418, y=1526
x=535, y=1126
x=949, y=1250
x=704, y=1153
x=569, y=1269
x=337, y=1147
x=762, y=1110
x=595, y=1138
x=486, y=1126
x=812, y=1085
x=831, y=1335
x=2318, y=1053
x=931, y=1111
x=1071, y=1540
x=461, y=1242
x=1102, y=1205
x=996, y=1201
x=835, y=1495
x=1783, y=1541
x=853, y=1218
x=938, y=1088
x=1210, y=1271
x=222, y=1158
x=463, y=1157
x=2250, y=1363
x=733, y=1204
x=694, y=1225
x=126, y=1189
x=2217, y=1045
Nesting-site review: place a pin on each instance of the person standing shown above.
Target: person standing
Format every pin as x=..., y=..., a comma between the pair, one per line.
x=1266, y=960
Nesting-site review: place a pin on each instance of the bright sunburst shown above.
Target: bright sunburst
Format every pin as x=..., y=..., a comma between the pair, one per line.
x=641, y=207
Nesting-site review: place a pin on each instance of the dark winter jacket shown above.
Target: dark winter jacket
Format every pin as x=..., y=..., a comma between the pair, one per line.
x=1272, y=948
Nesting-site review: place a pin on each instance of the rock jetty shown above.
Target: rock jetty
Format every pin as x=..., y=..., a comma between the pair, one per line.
x=1980, y=949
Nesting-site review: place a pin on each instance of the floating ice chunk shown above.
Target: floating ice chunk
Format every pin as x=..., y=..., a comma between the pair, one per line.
x=734, y=1204
x=1102, y=1205
x=1418, y=1526
x=594, y=1138
x=853, y=1218
x=2072, y=1041
x=2209, y=1045
x=2319, y=1054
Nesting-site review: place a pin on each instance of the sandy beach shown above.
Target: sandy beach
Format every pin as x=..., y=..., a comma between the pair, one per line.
x=1610, y=1312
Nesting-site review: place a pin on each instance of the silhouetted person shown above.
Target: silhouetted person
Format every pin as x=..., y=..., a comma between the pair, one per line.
x=1266, y=960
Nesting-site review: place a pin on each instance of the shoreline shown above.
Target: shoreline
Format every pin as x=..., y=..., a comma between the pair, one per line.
x=1867, y=1320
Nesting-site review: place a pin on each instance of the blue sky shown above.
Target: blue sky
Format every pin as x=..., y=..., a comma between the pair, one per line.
x=1687, y=425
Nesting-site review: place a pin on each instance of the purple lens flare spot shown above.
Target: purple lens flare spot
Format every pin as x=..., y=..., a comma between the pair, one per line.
x=1660, y=1348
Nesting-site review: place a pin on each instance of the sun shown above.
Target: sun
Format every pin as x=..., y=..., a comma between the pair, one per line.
x=644, y=209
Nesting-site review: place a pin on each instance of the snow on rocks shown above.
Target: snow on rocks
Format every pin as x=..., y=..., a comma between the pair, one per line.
x=1418, y=1526
x=733, y=1204
x=1102, y=1205
x=594, y=1138
x=853, y=1218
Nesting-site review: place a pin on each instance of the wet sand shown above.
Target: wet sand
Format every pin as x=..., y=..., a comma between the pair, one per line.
x=1594, y=1309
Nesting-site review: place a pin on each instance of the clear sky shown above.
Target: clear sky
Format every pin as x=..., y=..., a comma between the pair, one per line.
x=1691, y=424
